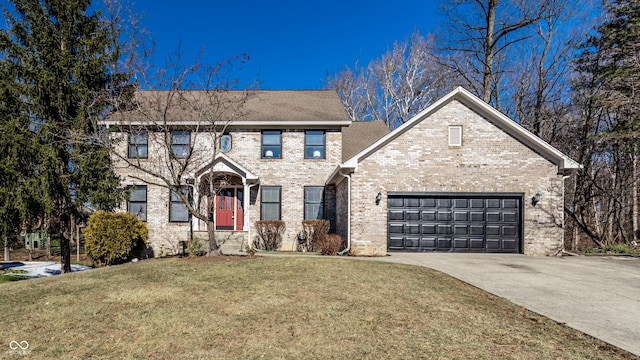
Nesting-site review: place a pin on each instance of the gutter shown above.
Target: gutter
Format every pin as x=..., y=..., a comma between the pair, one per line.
x=348, y=177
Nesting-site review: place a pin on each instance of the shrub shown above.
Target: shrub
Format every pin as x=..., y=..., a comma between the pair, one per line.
x=330, y=244
x=315, y=231
x=114, y=238
x=618, y=249
x=269, y=234
x=195, y=248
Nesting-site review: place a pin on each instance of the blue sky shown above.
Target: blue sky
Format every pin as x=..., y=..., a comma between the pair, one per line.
x=291, y=44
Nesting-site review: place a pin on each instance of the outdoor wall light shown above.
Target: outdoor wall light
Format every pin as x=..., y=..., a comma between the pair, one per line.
x=535, y=199
x=378, y=198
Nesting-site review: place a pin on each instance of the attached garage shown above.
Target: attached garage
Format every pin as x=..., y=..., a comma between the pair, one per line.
x=458, y=177
x=455, y=222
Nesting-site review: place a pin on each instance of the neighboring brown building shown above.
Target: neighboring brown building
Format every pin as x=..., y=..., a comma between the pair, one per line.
x=459, y=176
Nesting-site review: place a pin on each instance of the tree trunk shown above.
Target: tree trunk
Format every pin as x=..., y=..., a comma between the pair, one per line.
x=7, y=256
x=30, y=244
x=487, y=75
x=635, y=194
x=65, y=254
x=48, y=245
x=214, y=250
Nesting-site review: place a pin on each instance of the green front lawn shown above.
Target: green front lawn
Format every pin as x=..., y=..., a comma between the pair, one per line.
x=275, y=308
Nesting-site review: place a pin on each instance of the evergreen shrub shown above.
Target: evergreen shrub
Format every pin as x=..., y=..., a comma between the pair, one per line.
x=114, y=238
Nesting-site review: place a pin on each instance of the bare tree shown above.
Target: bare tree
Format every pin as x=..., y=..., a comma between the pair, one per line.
x=394, y=87
x=182, y=112
x=477, y=36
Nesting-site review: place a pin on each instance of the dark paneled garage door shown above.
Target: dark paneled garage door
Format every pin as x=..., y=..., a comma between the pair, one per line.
x=454, y=222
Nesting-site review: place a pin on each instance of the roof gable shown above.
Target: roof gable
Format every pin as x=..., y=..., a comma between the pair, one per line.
x=223, y=163
x=563, y=162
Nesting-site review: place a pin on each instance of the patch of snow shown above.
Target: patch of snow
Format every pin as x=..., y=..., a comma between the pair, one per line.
x=41, y=269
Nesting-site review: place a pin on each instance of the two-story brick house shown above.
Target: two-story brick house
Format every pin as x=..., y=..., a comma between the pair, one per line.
x=459, y=176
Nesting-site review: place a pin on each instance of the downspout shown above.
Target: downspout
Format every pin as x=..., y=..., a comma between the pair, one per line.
x=348, y=177
x=247, y=199
x=563, y=214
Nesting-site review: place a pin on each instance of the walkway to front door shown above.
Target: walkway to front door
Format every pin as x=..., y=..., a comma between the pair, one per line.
x=229, y=211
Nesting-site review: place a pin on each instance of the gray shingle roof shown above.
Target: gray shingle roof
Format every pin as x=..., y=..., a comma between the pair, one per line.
x=359, y=135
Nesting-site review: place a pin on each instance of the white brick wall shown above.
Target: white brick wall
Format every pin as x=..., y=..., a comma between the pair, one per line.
x=292, y=173
x=489, y=160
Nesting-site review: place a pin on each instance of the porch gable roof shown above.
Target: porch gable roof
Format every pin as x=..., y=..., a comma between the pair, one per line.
x=224, y=163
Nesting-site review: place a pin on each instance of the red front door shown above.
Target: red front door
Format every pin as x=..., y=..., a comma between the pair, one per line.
x=239, y=210
x=229, y=209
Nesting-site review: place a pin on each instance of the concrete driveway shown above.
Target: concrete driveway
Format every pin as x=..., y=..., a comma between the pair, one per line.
x=599, y=296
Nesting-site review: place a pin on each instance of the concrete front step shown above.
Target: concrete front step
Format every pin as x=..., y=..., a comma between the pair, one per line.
x=230, y=242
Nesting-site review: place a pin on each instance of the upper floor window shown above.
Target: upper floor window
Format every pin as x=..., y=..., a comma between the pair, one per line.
x=138, y=145
x=313, y=202
x=271, y=144
x=314, y=144
x=270, y=203
x=137, y=204
x=180, y=142
x=225, y=143
x=178, y=211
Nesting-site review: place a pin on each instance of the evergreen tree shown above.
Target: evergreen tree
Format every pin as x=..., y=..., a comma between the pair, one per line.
x=18, y=193
x=612, y=57
x=60, y=52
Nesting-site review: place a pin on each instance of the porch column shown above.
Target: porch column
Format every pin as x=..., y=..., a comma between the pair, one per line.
x=245, y=204
x=195, y=223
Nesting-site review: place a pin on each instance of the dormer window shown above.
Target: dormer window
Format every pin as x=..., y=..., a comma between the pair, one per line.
x=271, y=144
x=314, y=144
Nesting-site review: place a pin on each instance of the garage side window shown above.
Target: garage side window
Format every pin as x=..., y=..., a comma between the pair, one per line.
x=270, y=203
x=313, y=202
x=137, y=204
x=455, y=135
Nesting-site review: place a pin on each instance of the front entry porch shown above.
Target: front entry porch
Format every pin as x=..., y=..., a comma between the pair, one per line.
x=222, y=191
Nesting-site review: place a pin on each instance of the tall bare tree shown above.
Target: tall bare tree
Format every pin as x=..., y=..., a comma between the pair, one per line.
x=395, y=86
x=609, y=64
x=477, y=36
x=198, y=101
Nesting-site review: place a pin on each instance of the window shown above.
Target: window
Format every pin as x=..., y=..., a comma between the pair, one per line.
x=178, y=211
x=180, y=143
x=138, y=145
x=314, y=144
x=225, y=143
x=138, y=202
x=272, y=144
x=313, y=202
x=270, y=203
x=455, y=135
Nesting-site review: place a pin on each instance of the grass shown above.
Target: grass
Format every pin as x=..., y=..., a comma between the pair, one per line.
x=615, y=249
x=277, y=308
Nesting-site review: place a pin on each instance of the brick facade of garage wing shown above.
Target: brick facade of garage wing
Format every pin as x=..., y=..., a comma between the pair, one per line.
x=459, y=176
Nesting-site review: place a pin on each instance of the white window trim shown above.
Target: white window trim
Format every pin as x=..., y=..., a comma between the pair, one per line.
x=455, y=135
